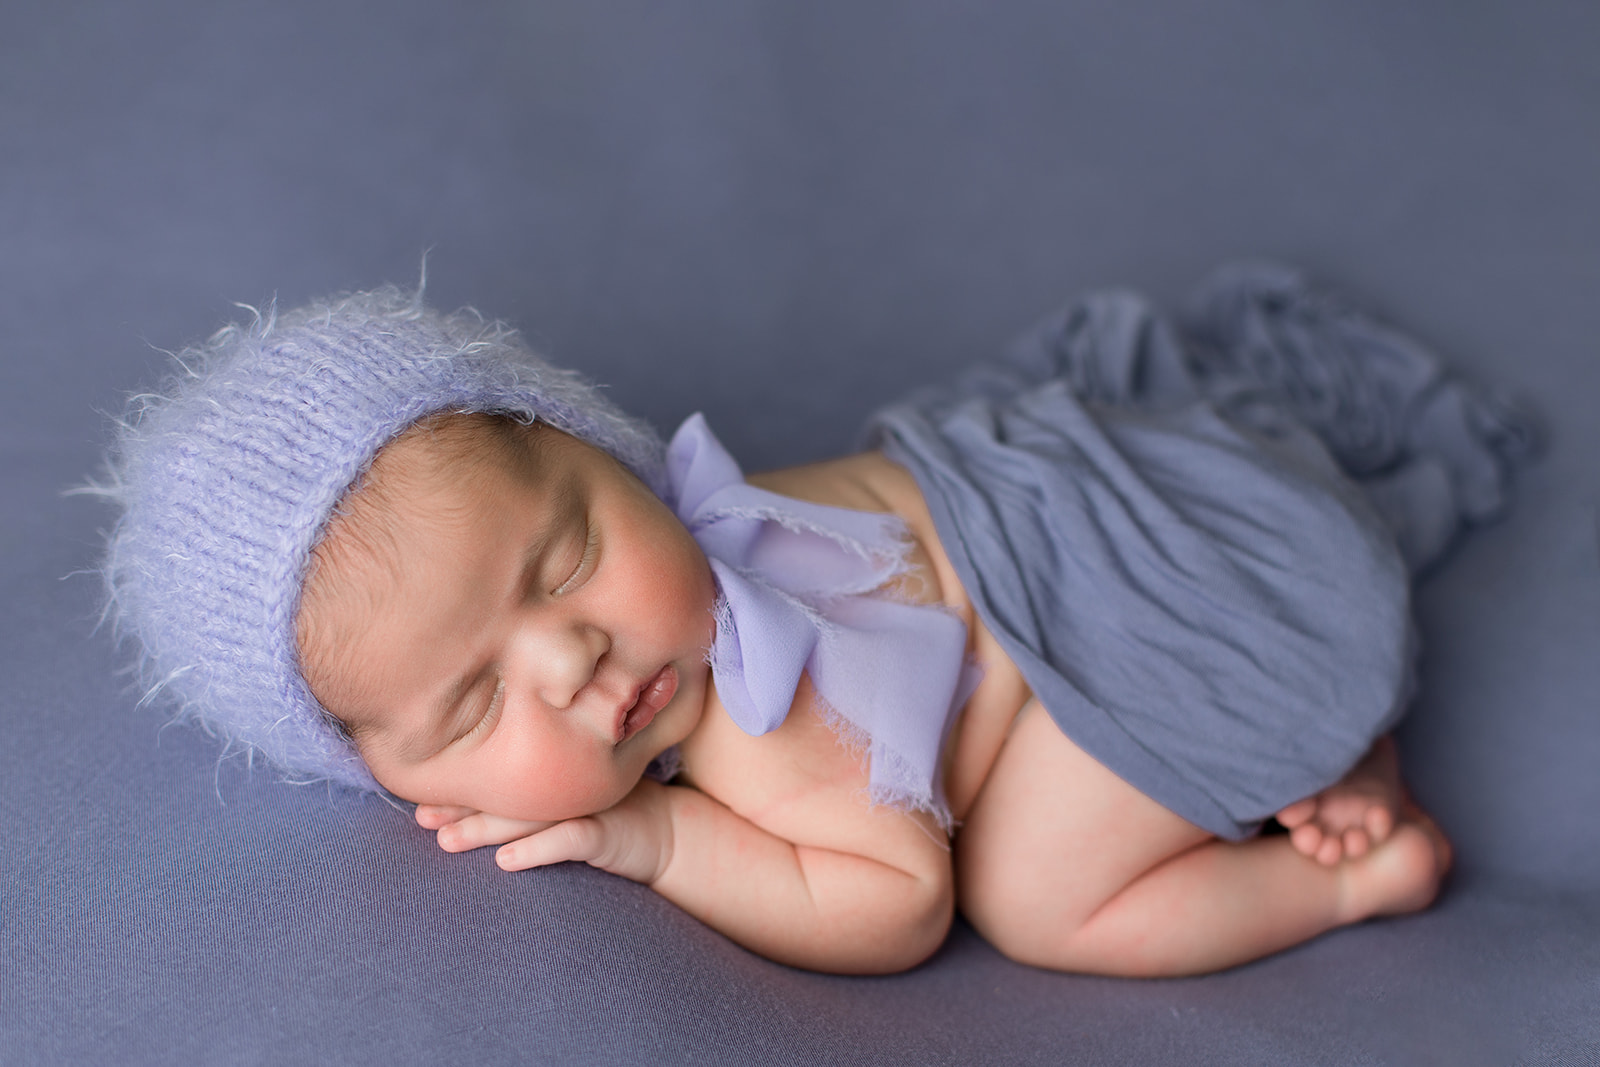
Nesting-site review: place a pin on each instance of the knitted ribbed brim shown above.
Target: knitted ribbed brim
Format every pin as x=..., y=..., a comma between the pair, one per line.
x=227, y=478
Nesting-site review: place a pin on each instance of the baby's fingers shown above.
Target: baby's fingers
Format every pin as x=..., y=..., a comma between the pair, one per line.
x=576, y=839
x=478, y=830
x=632, y=847
x=434, y=816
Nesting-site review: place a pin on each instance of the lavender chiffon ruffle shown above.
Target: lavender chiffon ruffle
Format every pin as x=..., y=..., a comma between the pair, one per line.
x=795, y=583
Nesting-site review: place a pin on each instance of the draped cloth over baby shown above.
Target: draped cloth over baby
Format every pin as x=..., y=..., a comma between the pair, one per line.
x=1195, y=540
x=798, y=591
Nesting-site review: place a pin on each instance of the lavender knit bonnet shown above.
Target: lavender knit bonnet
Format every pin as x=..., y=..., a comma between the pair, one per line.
x=226, y=481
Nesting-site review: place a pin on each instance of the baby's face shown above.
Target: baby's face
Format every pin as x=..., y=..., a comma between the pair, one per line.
x=519, y=632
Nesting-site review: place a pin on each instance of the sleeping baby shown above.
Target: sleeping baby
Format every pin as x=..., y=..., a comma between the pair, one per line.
x=1053, y=649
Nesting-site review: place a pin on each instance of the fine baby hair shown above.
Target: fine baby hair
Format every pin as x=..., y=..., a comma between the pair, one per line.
x=227, y=478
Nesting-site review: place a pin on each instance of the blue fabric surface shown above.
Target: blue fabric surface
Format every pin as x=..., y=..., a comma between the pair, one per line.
x=783, y=215
x=1212, y=613
x=1198, y=548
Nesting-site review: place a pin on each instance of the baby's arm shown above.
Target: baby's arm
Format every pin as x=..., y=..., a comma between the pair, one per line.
x=879, y=900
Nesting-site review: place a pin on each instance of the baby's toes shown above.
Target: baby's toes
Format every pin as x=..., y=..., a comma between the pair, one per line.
x=1331, y=851
x=1356, y=844
x=1298, y=813
x=1306, y=838
x=1379, y=823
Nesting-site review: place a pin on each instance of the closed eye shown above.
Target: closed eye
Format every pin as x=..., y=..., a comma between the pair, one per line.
x=581, y=572
x=491, y=714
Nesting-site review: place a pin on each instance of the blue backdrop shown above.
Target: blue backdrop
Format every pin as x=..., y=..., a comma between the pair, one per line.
x=784, y=215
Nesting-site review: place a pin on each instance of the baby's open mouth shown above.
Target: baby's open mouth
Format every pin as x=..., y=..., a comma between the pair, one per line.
x=654, y=695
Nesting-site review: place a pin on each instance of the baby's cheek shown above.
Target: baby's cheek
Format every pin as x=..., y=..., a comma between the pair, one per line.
x=589, y=794
x=551, y=785
x=416, y=786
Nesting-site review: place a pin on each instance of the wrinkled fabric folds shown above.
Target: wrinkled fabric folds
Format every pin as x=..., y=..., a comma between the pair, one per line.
x=1195, y=539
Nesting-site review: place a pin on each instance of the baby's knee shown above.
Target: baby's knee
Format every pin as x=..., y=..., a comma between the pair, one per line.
x=1009, y=909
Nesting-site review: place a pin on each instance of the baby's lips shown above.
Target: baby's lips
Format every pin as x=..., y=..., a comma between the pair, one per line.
x=659, y=691
x=656, y=694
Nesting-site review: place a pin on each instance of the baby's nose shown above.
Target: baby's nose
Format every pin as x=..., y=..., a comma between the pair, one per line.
x=559, y=659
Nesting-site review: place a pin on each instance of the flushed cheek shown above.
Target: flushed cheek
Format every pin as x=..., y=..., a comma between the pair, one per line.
x=691, y=597
x=552, y=786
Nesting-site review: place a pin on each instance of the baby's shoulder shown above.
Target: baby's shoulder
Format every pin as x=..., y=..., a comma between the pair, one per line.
x=788, y=781
x=863, y=481
x=870, y=481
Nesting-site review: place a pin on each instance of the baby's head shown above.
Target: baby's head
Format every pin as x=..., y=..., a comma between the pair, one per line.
x=403, y=460
x=504, y=618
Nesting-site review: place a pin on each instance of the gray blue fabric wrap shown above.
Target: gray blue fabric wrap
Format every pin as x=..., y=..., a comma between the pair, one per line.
x=227, y=479
x=1196, y=538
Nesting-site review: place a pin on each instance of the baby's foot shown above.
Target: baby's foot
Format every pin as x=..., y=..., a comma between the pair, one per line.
x=1350, y=817
x=1400, y=875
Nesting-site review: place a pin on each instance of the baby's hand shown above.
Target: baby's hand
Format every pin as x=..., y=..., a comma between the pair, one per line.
x=463, y=829
x=632, y=839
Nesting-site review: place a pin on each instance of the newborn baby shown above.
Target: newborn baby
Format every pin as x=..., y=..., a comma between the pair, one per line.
x=1049, y=650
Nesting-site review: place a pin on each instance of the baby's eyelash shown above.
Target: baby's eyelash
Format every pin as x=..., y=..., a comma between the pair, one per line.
x=590, y=544
x=492, y=712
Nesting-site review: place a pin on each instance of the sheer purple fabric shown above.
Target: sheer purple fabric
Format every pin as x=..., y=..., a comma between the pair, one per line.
x=796, y=586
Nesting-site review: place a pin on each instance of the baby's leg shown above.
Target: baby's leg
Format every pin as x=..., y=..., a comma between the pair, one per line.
x=1061, y=864
x=1355, y=813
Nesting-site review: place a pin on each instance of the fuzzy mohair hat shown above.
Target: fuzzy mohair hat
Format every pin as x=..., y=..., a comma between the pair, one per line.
x=227, y=479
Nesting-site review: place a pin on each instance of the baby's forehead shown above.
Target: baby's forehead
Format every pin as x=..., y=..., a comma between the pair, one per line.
x=433, y=454
x=422, y=490
x=445, y=460
x=373, y=528
x=449, y=440
x=442, y=470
